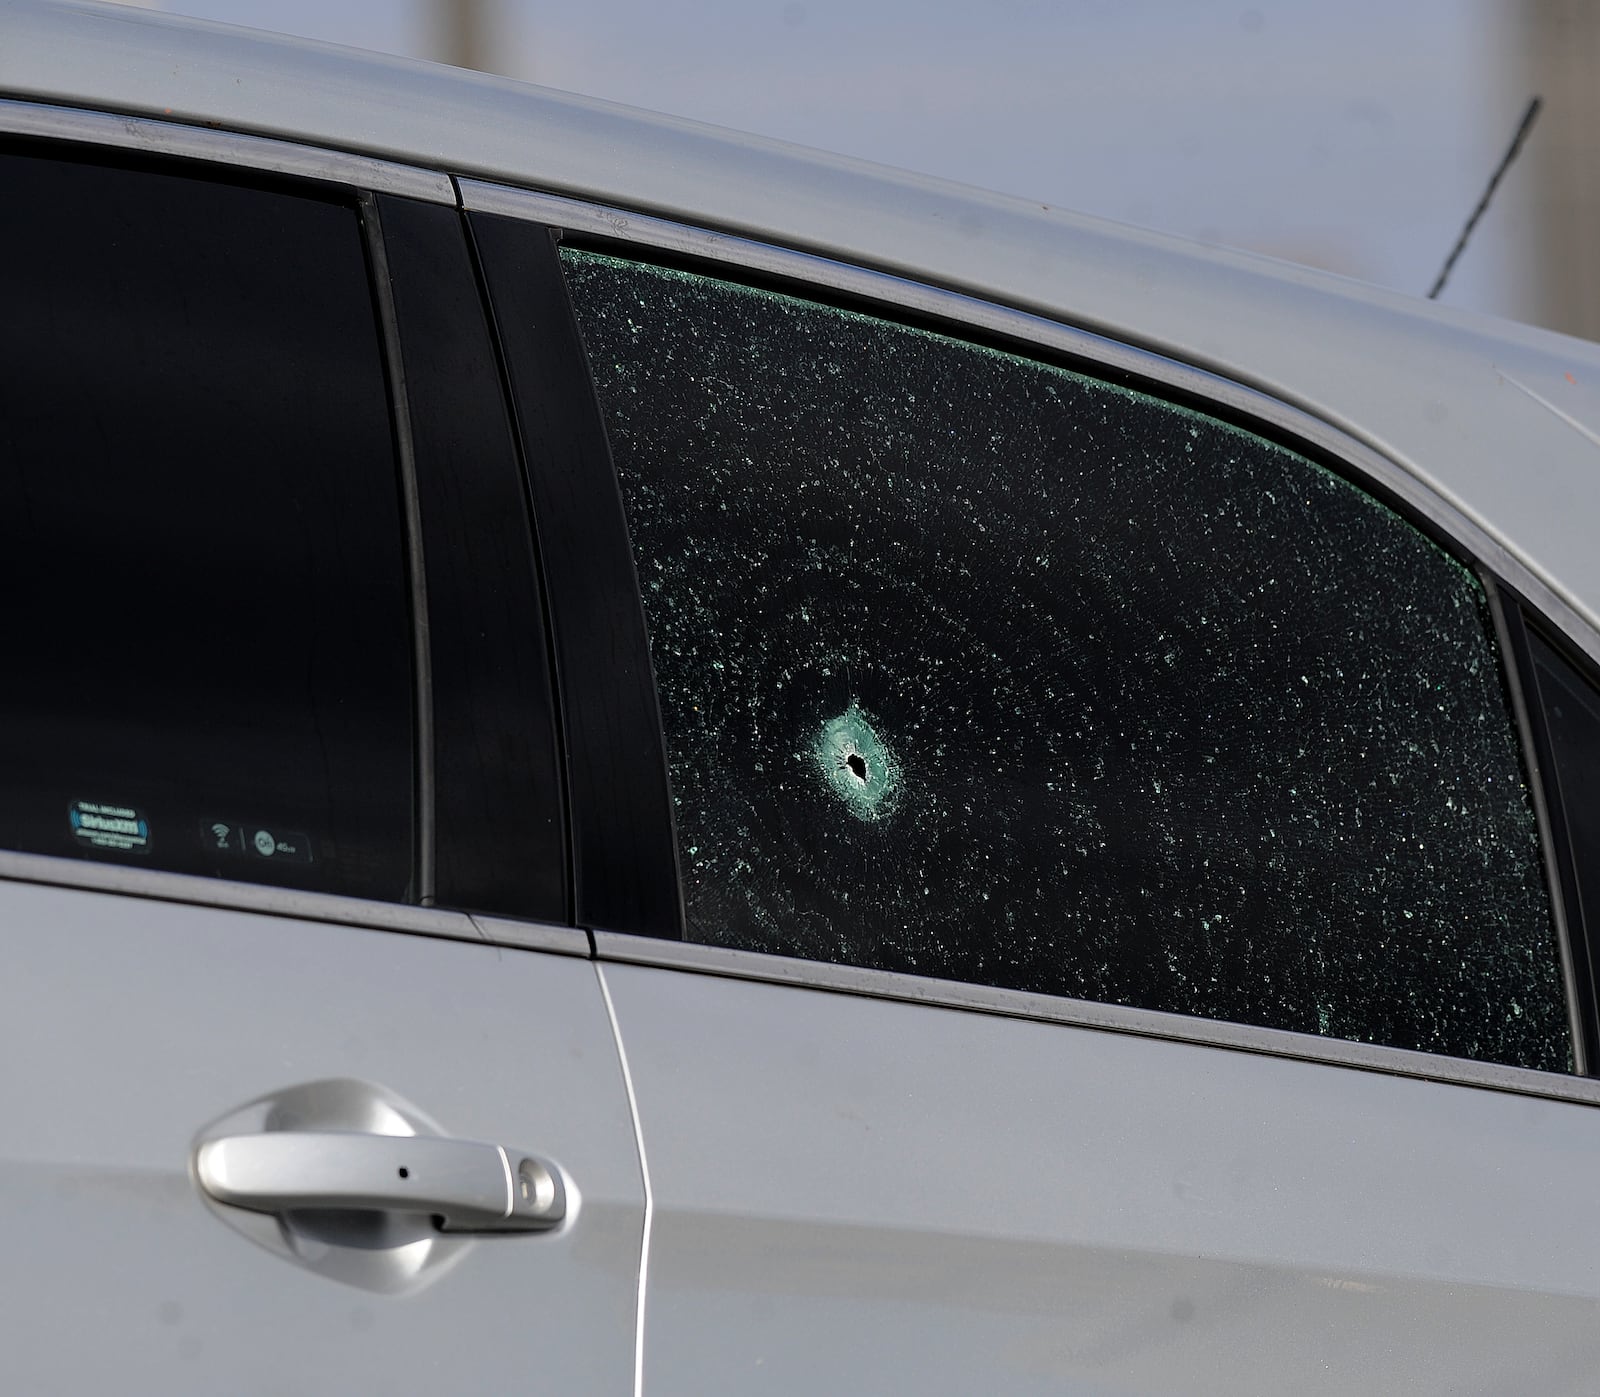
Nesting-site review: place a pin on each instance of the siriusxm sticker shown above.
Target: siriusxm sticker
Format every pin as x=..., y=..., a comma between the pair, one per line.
x=109, y=826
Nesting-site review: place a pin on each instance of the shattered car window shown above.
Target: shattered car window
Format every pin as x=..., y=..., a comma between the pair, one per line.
x=977, y=668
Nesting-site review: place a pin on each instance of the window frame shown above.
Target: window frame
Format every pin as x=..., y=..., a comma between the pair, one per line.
x=1517, y=624
x=87, y=167
x=624, y=849
x=948, y=311
x=492, y=779
x=367, y=187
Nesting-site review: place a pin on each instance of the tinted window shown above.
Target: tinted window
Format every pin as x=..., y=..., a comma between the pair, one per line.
x=977, y=668
x=1571, y=712
x=207, y=638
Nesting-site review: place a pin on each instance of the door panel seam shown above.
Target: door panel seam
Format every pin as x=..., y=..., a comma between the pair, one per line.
x=644, y=1175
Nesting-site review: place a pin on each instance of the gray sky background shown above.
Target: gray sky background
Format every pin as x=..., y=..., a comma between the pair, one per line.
x=1356, y=136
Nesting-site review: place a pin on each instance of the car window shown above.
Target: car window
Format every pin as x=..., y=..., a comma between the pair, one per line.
x=1569, y=708
x=974, y=667
x=207, y=635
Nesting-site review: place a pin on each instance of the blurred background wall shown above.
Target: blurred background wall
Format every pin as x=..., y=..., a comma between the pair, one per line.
x=1354, y=136
x=1558, y=45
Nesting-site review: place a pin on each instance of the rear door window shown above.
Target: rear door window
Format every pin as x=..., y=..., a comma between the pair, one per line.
x=208, y=637
x=975, y=667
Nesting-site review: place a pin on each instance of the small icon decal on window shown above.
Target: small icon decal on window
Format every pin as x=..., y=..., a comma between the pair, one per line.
x=222, y=836
x=119, y=827
x=285, y=846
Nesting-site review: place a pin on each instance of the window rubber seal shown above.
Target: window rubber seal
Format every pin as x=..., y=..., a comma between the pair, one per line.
x=423, y=883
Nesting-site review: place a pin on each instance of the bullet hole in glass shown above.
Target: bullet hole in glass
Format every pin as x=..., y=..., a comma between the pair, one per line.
x=856, y=765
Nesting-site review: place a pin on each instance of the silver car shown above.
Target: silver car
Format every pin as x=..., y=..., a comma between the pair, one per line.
x=641, y=761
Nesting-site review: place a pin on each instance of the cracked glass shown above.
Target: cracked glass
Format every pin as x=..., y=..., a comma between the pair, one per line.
x=974, y=667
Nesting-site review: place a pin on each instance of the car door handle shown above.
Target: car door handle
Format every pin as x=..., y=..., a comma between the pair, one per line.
x=467, y=1185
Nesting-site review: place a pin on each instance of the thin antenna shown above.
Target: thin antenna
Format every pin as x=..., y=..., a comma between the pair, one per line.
x=1523, y=127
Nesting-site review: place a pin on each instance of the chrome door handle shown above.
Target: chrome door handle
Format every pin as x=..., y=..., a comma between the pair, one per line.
x=466, y=1184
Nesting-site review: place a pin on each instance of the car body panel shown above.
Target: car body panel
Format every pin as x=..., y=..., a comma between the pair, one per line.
x=852, y=1195
x=128, y=1024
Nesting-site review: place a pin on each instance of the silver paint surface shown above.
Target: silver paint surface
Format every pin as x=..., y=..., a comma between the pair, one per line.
x=127, y=1024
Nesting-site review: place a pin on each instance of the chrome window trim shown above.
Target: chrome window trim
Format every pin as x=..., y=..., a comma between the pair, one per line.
x=960, y=309
x=83, y=876
x=619, y=948
x=613, y=947
x=176, y=138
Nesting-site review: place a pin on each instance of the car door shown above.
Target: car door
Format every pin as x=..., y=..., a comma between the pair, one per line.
x=1115, y=950
x=309, y=1085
